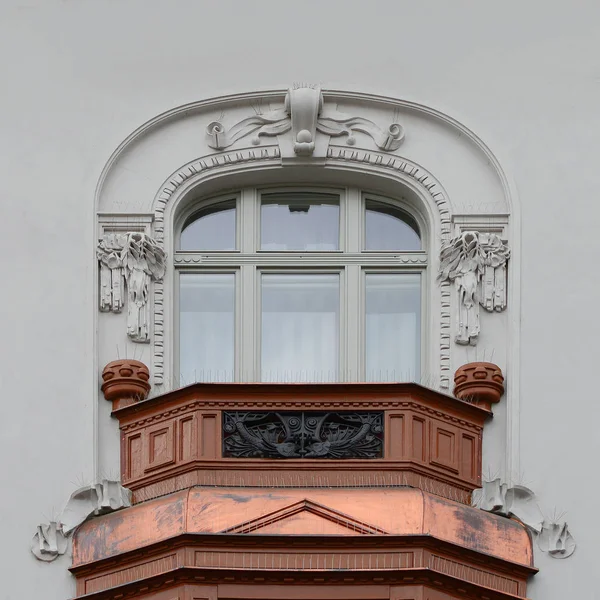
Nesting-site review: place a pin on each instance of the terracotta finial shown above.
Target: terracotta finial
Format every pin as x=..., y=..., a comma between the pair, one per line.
x=125, y=379
x=480, y=382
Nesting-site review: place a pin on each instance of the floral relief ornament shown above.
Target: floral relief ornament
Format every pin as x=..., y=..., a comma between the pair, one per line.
x=129, y=261
x=304, y=113
x=476, y=263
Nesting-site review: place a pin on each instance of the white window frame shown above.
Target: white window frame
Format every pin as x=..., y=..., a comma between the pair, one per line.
x=351, y=261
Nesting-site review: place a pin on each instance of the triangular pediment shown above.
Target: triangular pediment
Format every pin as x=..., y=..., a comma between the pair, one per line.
x=306, y=518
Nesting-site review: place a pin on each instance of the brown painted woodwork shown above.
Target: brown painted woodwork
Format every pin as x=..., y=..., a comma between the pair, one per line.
x=479, y=382
x=363, y=540
x=208, y=528
x=125, y=381
x=172, y=442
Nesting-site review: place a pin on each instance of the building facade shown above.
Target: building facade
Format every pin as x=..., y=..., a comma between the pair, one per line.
x=266, y=215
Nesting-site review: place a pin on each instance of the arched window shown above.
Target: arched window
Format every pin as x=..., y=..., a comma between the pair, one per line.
x=299, y=285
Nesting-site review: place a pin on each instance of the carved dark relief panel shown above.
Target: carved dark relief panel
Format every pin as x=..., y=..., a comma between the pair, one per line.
x=306, y=434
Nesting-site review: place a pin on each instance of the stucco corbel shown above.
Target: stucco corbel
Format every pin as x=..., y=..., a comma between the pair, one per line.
x=521, y=502
x=100, y=497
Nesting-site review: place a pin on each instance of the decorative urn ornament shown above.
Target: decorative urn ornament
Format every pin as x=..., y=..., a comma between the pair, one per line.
x=125, y=379
x=479, y=382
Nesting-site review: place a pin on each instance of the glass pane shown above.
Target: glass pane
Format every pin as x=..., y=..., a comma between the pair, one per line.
x=212, y=228
x=206, y=327
x=393, y=327
x=389, y=228
x=300, y=222
x=300, y=320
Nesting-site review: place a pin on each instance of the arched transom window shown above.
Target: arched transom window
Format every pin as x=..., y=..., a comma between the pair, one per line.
x=299, y=285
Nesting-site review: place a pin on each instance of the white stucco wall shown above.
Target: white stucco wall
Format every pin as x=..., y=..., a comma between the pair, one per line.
x=79, y=76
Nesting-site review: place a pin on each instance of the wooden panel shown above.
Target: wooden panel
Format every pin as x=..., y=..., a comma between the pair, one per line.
x=304, y=592
x=128, y=574
x=160, y=446
x=406, y=592
x=395, y=436
x=419, y=438
x=468, y=457
x=200, y=592
x=209, y=437
x=444, y=446
x=186, y=438
x=134, y=454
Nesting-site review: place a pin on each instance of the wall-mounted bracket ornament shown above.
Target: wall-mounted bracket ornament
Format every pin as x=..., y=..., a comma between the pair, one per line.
x=476, y=263
x=479, y=382
x=52, y=539
x=129, y=261
x=304, y=113
x=521, y=502
x=49, y=542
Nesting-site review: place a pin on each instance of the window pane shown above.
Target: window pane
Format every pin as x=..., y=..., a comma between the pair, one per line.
x=393, y=327
x=300, y=320
x=212, y=228
x=206, y=327
x=300, y=222
x=389, y=228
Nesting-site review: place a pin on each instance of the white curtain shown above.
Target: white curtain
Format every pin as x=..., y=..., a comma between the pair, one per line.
x=300, y=336
x=206, y=327
x=392, y=326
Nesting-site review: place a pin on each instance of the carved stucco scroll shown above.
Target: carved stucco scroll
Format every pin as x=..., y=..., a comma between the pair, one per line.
x=101, y=497
x=476, y=263
x=305, y=113
x=128, y=263
x=520, y=502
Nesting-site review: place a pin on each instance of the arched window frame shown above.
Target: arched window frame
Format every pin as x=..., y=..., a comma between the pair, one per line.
x=352, y=261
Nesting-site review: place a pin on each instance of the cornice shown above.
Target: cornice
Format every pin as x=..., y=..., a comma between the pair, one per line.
x=407, y=394
x=424, y=560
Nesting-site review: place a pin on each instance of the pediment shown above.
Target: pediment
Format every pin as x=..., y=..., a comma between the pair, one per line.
x=306, y=518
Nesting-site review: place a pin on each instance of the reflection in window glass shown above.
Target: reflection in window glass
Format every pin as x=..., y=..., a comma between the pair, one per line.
x=300, y=320
x=389, y=228
x=213, y=228
x=206, y=327
x=298, y=221
x=393, y=332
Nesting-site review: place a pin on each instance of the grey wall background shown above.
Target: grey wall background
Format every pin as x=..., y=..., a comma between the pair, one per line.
x=79, y=76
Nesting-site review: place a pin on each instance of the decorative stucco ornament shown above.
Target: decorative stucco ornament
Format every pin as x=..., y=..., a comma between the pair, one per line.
x=101, y=497
x=130, y=261
x=92, y=500
x=304, y=113
x=518, y=501
x=521, y=502
x=476, y=263
x=49, y=542
x=556, y=540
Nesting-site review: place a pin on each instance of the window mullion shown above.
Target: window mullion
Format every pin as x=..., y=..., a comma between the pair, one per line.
x=247, y=351
x=353, y=220
x=352, y=324
x=247, y=221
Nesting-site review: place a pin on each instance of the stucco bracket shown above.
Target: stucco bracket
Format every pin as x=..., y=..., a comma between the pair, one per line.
x=521, y=502
x=103, y=496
